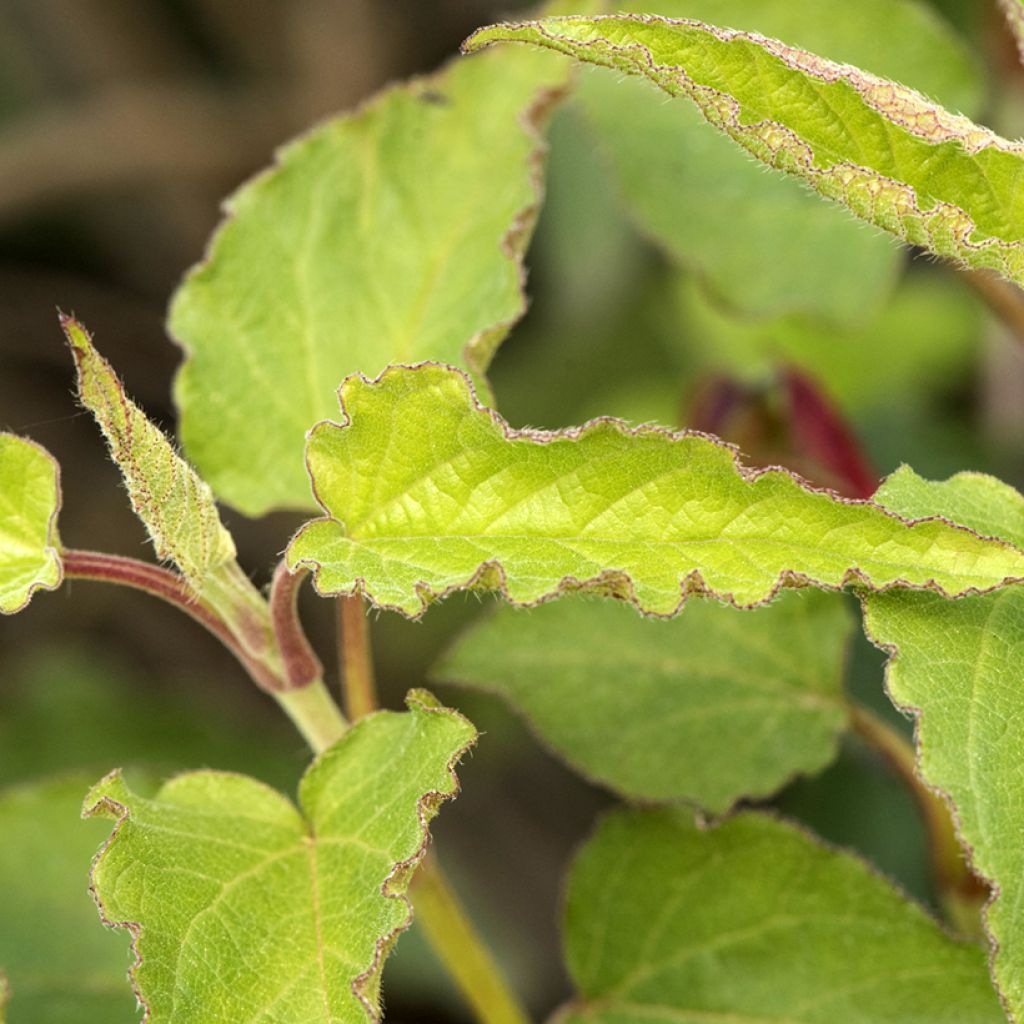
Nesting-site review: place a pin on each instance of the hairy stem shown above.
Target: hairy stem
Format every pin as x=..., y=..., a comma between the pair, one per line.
x=172, y=588
x=961, y=891
x=301, y=665
x=461, y=949
x=355, y=657
x=314, y=713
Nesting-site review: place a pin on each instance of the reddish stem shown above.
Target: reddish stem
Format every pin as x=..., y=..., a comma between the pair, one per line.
x=169, y=587
x=301, y=664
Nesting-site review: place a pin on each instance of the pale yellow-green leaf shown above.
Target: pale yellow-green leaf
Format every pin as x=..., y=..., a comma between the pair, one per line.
x=894, y=158
x=426, y=492
x=29, y=503
x=244, y=908
x=392, y=234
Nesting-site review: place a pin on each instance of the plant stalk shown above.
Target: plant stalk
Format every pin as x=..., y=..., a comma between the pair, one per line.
x=355, y=657
x=449, y=931
x=1002, y=297
x=961, y=891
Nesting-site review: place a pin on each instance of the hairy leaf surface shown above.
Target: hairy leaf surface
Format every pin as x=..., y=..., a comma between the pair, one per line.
x=244, y=909
x=652, y=708
x=931, y=177
x=957, y=666
x=174, y=504
x=688, y=188
x=753, y=921
x=62, y=964
x=427, y=492
x=392, y=234
x=29, y=503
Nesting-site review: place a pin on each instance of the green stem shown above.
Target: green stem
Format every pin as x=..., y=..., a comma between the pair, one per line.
x=356, y=657
x=961, y=891
x=313, y=711
x=448, y=930
x=461, y=949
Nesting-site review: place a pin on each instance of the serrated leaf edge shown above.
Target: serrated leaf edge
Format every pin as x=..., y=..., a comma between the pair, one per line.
x=917, y=715
x=393, y=887
x=945, y=228
x=52, y=549
x=614, y=582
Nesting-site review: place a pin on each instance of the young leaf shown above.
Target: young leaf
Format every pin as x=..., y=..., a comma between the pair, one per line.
x=655, y=705
x=688, y=188
x=62, y=964
x=956, y=665
x=174, y=504
x=753, y=920
x=29, y=503
x=895, y=159
x=244, y=909
x=392, y=234
x=427, y=492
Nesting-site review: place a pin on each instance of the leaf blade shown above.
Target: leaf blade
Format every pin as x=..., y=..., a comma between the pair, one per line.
x=895, y=159
x=210, y=910
x=655, y=704
x=427, y=491
x=30, y=500
x=955, y=668
x=396, y=233
x=753, y=920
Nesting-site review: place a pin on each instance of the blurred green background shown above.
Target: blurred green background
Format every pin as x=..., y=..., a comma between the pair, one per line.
x=122, y=126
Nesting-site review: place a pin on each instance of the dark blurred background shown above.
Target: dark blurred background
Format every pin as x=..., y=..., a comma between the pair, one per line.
x=123, y=124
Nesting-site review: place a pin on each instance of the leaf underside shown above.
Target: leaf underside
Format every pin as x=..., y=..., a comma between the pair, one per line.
x=655, y=705
x=29, y=503
x=244, y=909
x=956, y=666
x=175, y=505
x=900, y=162
x=392, y=234
x=688, y=188
x=428, y=492
x=753, y=921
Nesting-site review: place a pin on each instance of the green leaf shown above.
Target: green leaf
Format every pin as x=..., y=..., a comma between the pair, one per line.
x=243, y=908
x=753, y=921
x=390, y=235
x=62, y=964
x=174, y=504
x=688, y=188
x=428, y=492
x=956, y=665
x=895, y=159
x=30, y=501
x=650, y=708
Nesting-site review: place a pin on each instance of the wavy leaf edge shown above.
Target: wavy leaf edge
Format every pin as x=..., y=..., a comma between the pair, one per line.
x=946, y=227
x=491, y=574
x=393, y=887
x=52, y=549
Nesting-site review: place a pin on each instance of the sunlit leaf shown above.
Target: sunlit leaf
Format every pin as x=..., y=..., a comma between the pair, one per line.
x=427, y=492
x=388, y=235
x=753, y=921
x=956, y=665
x=652, y=708
x=895, y=159
x=688, y=188
x=243, y=908
x=29, y=502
